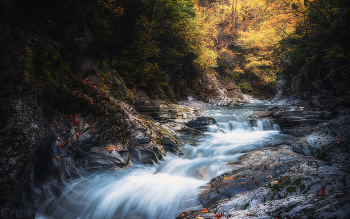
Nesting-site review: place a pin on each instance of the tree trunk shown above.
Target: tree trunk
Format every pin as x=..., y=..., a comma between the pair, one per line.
x=154, y=10
x=234, y=8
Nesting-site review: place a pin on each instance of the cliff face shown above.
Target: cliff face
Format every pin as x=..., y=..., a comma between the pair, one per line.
x=59, y=116
x=332, y=96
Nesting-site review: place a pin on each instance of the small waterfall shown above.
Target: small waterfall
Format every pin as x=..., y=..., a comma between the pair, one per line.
x=239, y=124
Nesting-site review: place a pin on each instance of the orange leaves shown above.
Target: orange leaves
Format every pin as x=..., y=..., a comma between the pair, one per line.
x=232, y=177
x=217, y=216
x=321, y=191
x=257, y=183
x=64, y=144
x=205, y=210
x=182, y=215
x=57, y=157
x=225, y=178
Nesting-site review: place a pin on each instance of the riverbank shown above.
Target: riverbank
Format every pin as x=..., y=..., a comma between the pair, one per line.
x=305, y=178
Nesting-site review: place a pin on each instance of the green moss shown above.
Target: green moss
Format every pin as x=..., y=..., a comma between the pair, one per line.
x=291, y=189
x=282, y=183
x=246, y=205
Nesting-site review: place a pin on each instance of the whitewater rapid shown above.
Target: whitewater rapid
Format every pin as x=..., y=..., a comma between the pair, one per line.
x=170, y=187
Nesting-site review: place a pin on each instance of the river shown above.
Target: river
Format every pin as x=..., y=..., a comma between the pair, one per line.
x=166, y=189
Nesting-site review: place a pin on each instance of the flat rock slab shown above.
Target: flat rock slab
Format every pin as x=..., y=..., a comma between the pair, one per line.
x=300, y=186
x=250, y=172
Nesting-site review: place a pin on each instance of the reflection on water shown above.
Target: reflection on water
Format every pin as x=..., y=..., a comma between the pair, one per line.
x=169, y=188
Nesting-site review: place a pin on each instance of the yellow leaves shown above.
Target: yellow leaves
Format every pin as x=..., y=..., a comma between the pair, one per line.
x=113, y=6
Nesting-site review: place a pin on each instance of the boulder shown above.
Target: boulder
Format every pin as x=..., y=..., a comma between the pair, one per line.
x=200, y=123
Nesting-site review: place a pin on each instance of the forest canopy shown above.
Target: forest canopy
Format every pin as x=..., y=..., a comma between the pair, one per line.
x=165, y=46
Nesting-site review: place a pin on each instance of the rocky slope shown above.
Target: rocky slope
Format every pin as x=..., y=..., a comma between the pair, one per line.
x=306, y=178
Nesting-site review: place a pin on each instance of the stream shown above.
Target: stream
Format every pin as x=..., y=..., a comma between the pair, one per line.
x=166, y=189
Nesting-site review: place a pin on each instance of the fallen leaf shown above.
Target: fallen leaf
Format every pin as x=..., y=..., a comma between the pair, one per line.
x=257, y=183
x=321, y=191
x=205, y=210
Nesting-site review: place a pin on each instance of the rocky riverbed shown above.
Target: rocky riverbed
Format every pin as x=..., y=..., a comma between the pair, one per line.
x=308, y=177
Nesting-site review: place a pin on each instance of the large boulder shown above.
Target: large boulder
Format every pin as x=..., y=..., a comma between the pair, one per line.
x=200, y=123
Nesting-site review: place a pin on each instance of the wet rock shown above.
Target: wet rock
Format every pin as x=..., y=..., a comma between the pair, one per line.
x=200, y=123
x=328, y=141
x=273, y=108
x=262, y=114
x=147, y=106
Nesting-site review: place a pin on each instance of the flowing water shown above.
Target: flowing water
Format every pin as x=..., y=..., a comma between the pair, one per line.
x=165, y=190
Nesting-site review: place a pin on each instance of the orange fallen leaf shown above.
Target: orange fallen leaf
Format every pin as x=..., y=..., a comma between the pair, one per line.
x=182, y=215
x=321, y=191
x=232, y=177
x=205, y=210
